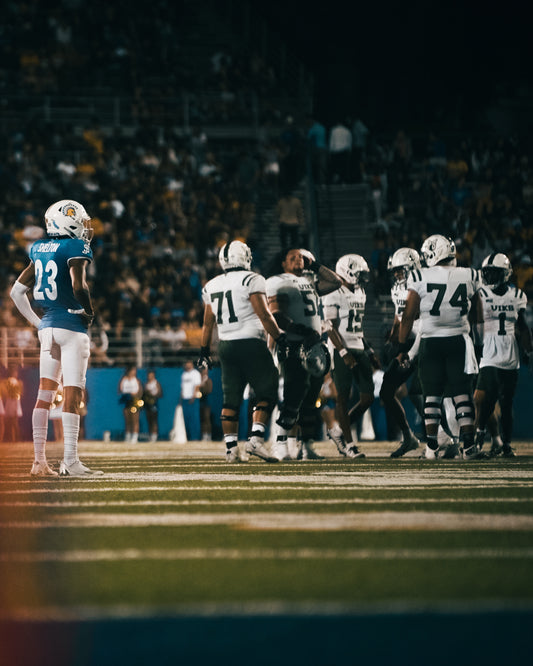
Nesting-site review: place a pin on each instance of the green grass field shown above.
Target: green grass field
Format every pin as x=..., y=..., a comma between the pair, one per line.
x=172, y=545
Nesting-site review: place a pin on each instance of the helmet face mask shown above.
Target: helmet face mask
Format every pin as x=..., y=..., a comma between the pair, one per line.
x=437, y=248
x=496, y=270
x=316, y=360
x=68, y=218
x=235, y=255
x=353, y=269
x=404, y=260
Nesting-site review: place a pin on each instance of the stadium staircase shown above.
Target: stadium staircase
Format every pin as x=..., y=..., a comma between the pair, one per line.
x=344, y=225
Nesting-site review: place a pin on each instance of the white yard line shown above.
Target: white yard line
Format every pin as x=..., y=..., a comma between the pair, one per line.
x=350, y=521
x=289, y=554
x=280, y=502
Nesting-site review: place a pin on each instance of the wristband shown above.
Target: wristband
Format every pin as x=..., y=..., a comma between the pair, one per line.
x=403, y=347
x=343, y=352
x=204, y=351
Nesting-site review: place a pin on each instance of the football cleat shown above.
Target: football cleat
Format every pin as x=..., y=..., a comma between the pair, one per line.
x=294, y=447
x=42, y=469
x=353, y=452
x=232, y=455
x=495, y=450
x=429, y=454
x=339, y=442
x=280, y=450
x=452, y=450
x=473, y=453
x=409, y=444
x=77, y=470
x=308, y=452
x=508, y=451
x=255, y=446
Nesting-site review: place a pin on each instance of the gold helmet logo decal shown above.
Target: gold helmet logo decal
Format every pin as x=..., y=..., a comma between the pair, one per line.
x=69, y=210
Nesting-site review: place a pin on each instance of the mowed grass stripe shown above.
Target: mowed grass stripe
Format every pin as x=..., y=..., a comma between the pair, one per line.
x=272, y=607
x=267, y=554
x=371, y=520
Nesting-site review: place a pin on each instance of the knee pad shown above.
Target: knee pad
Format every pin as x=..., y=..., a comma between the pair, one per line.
x=464, y=410
x=263, y=406
x=287, y=418
x=432, y=410
x=229, y=417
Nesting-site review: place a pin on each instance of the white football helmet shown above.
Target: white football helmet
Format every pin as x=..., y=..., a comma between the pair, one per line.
x=496, y=269
x=68, y=218
x=235, y=255
x=405, y=259
x=316, y=360
x=437, y=248
x=353, y=269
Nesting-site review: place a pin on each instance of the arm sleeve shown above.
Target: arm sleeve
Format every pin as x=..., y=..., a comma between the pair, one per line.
x=19, y=295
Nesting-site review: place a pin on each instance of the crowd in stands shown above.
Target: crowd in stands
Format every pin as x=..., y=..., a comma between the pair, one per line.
x=163, y=203
x=477, y=190
x=68, y=48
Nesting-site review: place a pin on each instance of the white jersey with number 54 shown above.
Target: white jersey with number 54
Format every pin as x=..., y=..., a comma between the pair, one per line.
x=300, y=297
x=228, y=295
x=445, y=294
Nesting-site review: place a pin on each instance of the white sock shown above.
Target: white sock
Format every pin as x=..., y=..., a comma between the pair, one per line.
x=258, y=429
x=336, y=431
x=39, y=422
x=71, y=431
x=134, y=437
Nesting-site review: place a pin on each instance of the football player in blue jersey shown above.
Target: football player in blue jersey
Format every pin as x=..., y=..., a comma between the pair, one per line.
x=57, y=275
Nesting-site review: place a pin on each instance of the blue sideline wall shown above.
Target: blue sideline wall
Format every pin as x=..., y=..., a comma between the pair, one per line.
x=105, y=412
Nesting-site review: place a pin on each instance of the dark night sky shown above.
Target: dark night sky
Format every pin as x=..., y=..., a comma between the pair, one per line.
x=407, y=59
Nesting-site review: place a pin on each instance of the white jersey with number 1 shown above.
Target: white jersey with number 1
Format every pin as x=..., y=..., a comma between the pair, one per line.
x=500, y=314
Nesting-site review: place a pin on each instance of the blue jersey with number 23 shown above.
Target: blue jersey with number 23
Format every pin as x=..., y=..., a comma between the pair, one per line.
x=53, y=285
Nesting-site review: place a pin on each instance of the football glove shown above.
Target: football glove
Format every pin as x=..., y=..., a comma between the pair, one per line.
x=310, y=263
x=311, y=338
x=281, y=347
x=204, y=361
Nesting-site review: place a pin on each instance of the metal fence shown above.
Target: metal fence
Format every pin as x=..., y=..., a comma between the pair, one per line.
x=138, y=346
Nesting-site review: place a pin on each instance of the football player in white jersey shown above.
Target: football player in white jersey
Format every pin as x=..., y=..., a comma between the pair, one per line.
x=235, y=302
x=294, y=299
x=57, y=273
x=441, y=295
x=404, y=260
x=344, y=310
x=500, y=314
